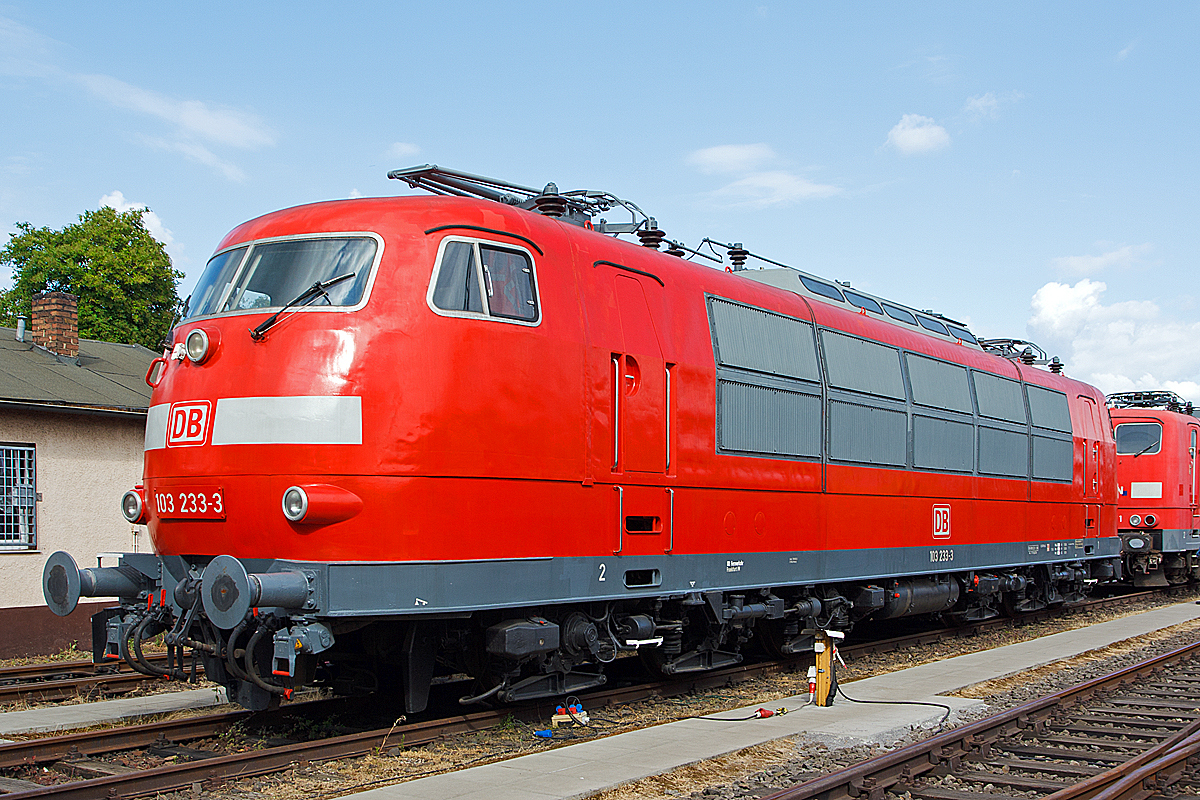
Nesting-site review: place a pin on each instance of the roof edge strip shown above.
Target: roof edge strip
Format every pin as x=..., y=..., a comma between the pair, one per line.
x=524, y=239
x=630, y=269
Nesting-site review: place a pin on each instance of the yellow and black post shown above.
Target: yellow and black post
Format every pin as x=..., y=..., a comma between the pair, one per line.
x=825, y=646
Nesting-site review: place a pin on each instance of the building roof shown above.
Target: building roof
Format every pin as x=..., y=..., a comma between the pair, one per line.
x=106, y=378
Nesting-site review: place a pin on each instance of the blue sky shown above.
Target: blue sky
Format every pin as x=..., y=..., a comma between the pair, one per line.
x=1030, y=168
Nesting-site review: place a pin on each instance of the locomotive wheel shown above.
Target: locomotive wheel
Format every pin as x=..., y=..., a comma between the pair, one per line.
x=654, y=660
x=769, y=638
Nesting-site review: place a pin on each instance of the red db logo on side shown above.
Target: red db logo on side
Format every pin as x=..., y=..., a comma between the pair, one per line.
x=188, y=424
x=941, y=522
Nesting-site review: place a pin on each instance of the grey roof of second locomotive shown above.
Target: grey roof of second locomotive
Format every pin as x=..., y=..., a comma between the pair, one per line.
x=107, y=377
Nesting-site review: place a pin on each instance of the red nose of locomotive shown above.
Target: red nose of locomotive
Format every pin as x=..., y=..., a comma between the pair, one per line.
x=254, y=434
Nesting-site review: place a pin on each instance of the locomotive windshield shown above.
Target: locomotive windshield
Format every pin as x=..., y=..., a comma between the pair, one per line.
x=269, y=274
x=1135, y=439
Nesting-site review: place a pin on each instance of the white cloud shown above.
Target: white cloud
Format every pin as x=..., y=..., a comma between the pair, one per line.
x=1127, y=346
x=116, y=200
x=762, y=189
x=196, y=119
x=914, y=135
x=354, y=194
x=24, y=53
x=988, y=105
x=938, y=69
x=756, y=187
x=985, y=105
x=1125, y=51
x=198, y=153
x=403, y=150
x=1126, y=256
x=731, y=158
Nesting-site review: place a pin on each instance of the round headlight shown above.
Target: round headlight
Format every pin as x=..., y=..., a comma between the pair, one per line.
x=1150, y=520
x=197, y=346
x=295, y=504
x=1135, y=519
x=131, y=506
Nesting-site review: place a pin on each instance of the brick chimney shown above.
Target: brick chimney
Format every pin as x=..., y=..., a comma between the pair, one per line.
x=56, y=323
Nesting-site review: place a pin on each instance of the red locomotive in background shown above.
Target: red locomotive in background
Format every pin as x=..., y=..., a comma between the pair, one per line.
x=1157, y=516
x=400, y=437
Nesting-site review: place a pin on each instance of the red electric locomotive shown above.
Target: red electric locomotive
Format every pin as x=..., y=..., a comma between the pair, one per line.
x=1157, y=514
x=478, y=434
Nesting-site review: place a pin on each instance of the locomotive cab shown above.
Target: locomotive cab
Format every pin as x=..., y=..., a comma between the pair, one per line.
x=1158, y=521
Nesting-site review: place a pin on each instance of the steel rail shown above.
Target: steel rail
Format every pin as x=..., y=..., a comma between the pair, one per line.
x=48, y=670
x=48, y=682
x=90, y=743
x=1114, y=783
x=947, y=750
x=1149, y=780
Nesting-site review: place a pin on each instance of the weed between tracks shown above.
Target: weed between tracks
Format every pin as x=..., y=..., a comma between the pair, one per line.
x=71, y=653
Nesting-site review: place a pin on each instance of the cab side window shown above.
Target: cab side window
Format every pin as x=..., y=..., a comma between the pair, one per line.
x=474, y=278
x=457, y=287
x=508, y=281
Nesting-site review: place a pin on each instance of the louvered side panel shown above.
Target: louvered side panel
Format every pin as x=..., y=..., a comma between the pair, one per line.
x=862, y=366
x=938, y=384
x=758, y=340
x=1053, y=459
x=943, y=444
x=867, y=435
x=1003, y=453
x=758, y=419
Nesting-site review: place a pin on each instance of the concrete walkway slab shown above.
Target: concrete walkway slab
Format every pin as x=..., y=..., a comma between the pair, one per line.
x=587, y=767
x=84, y=715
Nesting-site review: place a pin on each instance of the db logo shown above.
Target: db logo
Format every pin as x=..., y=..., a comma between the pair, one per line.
x=188, y=424
x=941, y=522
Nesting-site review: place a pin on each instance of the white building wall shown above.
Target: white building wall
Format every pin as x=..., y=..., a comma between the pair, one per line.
x=84, y=464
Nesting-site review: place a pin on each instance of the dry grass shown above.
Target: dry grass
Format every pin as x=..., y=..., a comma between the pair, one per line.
x=1010, y=682
x=71, y=653
x=723, y=769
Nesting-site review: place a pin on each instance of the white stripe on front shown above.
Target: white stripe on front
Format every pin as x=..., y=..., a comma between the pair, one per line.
x=156, y=426
x=1145, y=490
x=288, y=420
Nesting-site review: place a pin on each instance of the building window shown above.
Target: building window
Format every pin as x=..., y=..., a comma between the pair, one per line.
x=18, y=517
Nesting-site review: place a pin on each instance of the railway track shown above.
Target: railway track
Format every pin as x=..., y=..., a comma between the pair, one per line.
x=1127, y=735
x=61, y=680
x=80, y=754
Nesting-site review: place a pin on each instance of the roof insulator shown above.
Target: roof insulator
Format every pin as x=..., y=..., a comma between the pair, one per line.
x=550, y=202
x=673, y=249
x=1056, y=366
x=737, y=256
x=1027, y=357
x=651, y=236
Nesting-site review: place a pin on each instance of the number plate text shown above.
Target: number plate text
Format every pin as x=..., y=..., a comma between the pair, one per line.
x=192, y=502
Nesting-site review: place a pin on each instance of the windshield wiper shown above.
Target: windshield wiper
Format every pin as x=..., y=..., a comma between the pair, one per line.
x=1144, y=449
x=309, y=294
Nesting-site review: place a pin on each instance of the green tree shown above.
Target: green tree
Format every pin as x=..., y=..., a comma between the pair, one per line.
x=121, y=274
